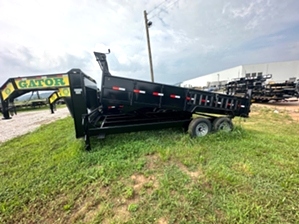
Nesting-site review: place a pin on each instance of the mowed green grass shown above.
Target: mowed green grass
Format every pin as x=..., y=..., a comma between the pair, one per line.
x=250, y=175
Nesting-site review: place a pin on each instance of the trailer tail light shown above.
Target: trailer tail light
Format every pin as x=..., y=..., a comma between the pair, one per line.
x=158, y=94
x=175, y=96
x=139, y=91
x=118, y=88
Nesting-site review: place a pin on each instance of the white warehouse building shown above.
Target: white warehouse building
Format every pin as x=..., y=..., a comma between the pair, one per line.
x=281, y=71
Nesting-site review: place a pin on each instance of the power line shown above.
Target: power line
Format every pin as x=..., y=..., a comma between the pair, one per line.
x=155, y=15
x=157, y=6
x=171, y=4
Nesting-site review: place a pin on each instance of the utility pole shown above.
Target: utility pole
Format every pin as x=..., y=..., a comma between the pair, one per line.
x=147, y=25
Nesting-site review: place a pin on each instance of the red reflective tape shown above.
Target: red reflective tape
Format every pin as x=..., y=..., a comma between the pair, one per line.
x=118, y=88
x=175, y=96
x=121, y=106
x=139, y=91
x=189, y=98
x=20, y=78
x=203, y=101
x=111, y=107
x=158, y=94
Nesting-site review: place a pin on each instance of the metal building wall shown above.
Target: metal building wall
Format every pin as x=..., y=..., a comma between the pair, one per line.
x=204, y=81
x=281, y=71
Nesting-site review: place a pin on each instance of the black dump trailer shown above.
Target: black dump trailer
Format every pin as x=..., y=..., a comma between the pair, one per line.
x=127, y=105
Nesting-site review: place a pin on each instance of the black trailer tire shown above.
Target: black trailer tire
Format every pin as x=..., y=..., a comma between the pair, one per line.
x=199, y=127
x=223, y=123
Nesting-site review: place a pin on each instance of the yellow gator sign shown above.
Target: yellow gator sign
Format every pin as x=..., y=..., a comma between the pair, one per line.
x=53, y=98
x=8, y=89
x=62, y=92
x=42, y=82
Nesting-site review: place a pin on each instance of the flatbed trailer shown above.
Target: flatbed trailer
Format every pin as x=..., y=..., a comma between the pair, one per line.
x=262, y=92
x=127, y=105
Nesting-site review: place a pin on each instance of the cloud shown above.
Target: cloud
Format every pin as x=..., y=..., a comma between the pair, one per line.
x=188, y=38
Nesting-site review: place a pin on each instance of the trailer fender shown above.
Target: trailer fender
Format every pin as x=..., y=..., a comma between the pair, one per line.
x=199, y=127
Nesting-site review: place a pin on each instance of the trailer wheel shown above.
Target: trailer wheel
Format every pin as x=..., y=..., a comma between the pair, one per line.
x=199, y=127
x=222, y=123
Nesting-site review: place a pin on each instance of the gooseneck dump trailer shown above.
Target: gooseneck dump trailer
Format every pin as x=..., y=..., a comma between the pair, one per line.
x=126, y=105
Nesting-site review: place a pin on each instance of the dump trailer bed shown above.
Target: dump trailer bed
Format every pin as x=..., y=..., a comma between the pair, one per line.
x=133, y=105
x=129, y=94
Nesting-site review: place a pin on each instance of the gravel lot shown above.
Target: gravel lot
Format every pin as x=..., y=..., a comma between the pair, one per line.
x=292, y=108
x=25, y=122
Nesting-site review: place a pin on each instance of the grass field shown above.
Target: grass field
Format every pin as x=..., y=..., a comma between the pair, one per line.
x=250, y=175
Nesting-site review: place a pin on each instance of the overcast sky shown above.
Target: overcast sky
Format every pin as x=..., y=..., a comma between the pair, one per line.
x=189, y=38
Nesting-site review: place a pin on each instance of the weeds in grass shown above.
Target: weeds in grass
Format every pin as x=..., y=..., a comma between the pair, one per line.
x=249, y=175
